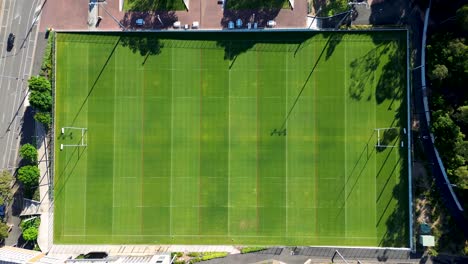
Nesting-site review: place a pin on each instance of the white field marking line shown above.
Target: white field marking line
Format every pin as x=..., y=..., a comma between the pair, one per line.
x=375, y=160
x=229, y=152
x=18, y=98
x=237, y=236
x=114, y=158
x=345, y=145
x=86, y=176
x=286, y=140
x=172, y=141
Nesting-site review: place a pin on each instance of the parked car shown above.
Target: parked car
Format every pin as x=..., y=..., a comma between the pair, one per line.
x=3, y=211
x=11, y=41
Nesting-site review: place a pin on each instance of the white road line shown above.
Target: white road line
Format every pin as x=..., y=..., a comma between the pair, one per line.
x=18, y=98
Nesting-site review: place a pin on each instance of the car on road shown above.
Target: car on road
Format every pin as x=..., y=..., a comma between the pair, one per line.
x=10, y=42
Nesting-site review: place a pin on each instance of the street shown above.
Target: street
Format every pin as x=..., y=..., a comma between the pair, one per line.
x=19, y=17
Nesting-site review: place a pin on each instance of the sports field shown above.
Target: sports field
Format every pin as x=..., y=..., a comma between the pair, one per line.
x=231, y=138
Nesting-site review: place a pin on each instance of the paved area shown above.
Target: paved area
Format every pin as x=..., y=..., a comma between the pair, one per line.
x=79, y=15
x=44, y=239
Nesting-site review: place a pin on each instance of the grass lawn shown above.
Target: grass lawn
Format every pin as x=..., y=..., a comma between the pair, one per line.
x=231, y=138
x=149, y=5
x=258, y=4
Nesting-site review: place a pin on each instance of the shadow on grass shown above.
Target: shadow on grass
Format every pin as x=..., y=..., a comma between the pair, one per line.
x=379, y=77
x=96, y=80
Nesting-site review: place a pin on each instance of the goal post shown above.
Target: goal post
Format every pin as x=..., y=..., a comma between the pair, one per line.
x=389, y=137
x=83, y=140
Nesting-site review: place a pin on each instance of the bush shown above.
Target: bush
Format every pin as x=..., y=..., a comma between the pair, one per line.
x=29, y=223
x=251, y=249
x=39, y=84
x=193, y=254
x=432, y=252
x=30, y=234
x=46, y=68
x=177, y=254
x=42, y=101
x=213, y=255
x=29, y=175
x=45, y=118
x=29, y=153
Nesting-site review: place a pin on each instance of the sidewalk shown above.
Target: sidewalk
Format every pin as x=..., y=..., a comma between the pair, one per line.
x=44, y=238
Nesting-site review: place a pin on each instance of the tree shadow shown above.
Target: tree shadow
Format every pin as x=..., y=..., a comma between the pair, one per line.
x=334, y=40
x=160, y=5
x=397, y=223
x=379, y=77
x=234, y=43
x=363, y=72
x=152, y=20
x=389, y=12
x=260, y=16
x=144, y=44
x=28, y=127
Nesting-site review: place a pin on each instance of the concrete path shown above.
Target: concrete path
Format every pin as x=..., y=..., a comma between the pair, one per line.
x=44, y=239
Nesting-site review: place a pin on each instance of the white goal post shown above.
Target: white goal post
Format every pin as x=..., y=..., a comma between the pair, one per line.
x=393, y=132
x=83, y=142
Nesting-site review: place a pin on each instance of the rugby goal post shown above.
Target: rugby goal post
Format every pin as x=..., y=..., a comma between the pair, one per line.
x=82, y=143
x=387, y=137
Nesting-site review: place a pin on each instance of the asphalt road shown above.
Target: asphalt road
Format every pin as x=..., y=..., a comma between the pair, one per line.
x=20, y=18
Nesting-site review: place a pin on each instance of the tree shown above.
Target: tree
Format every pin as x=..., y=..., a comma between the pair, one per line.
x=5, y=181
x=462, y=174
x=42, y=101
x=29, y=153
x=448, y=138
x=39, y=84
x=462, y=17
x=3, y=230
x=439, y=72
x=44, y=117
x=29, y=175
x=30, y=234
x=461, y=117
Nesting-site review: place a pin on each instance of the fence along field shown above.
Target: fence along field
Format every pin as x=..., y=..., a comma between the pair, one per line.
x=277, y=138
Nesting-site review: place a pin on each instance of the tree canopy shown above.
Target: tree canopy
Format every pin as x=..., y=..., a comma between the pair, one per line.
x=42, y=101
x=5, y=181
x=39, y=84
x=29, y=153
x=29, y=175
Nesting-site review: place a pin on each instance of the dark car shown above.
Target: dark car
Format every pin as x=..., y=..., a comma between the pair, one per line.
x=11, y=41
x=2, y=211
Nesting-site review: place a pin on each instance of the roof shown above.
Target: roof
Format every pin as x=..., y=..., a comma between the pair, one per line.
x=18, y=255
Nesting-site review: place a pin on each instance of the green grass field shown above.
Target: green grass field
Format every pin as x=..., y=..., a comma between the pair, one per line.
x=150, y=5
x=231, y=138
